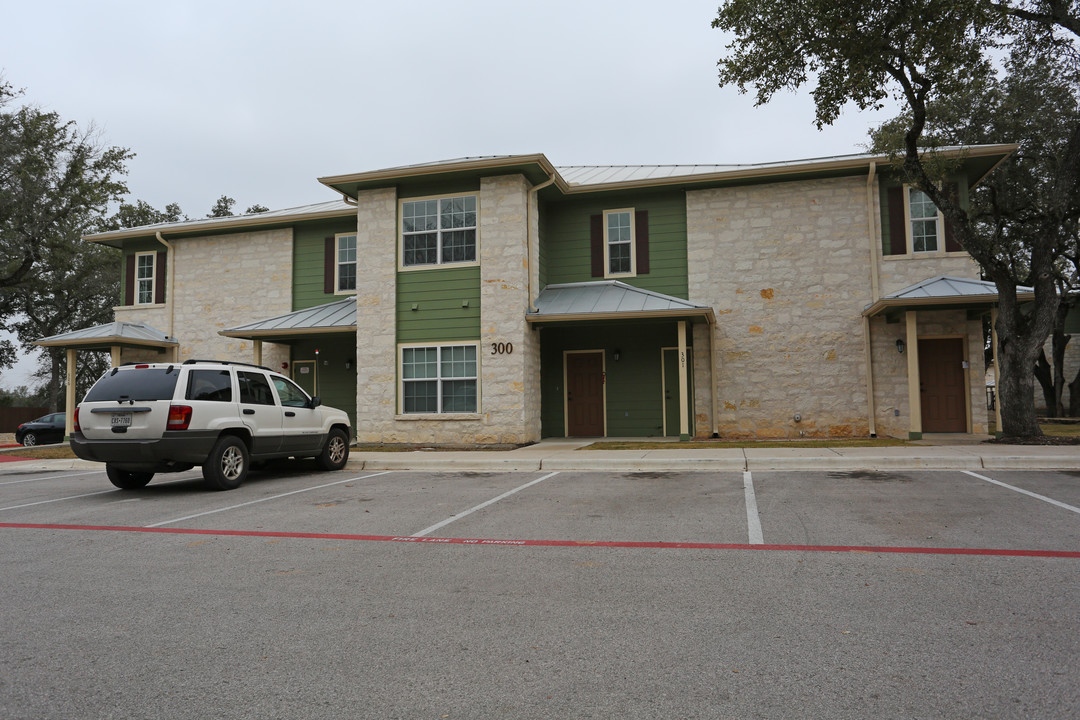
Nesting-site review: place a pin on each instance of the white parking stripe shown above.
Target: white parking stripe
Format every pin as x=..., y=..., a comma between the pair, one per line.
x=273, y=497
x=753, y=521
x=1025, y=492
x=46, y=502
x=53, y=477
x=481, y=506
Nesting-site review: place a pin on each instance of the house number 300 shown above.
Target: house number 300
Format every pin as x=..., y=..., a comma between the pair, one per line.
x=500, y=348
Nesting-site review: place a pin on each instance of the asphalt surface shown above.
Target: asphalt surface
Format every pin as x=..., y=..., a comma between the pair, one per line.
x=558, y=594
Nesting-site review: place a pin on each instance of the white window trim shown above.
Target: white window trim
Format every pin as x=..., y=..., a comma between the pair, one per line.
x=633, y=245
x=337, y=263
x=401, y=414
x=440, y=264
x=908, y=239
x=153, y=278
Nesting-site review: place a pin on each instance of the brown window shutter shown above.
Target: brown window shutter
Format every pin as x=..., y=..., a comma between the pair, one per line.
x=129, y=280
x=596, y=241
x=159, y=278
x=897, y=228
x=641, y=241
x=329, y=265
x=952, y=191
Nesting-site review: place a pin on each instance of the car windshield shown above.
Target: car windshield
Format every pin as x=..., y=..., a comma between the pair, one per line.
x=135, y=384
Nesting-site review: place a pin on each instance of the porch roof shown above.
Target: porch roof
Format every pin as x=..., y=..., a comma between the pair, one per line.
x=103, y=337
x=944, y=292
x=610, y=300
x=335, y=317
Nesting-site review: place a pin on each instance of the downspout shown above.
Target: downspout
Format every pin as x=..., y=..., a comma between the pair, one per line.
x=530, y=238
x=170, y=287
x=875, y=296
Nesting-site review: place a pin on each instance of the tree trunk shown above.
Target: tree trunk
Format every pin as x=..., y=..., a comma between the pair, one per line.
x=1045, y=375
x=1021, y=340
x=1058, y=345
x=55, y=371
x=1074, y=396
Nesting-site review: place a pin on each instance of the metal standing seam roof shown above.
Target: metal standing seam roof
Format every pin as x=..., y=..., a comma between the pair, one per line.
x=114, y=333
x=338, y=316
x=609, y=299
x=944, y=290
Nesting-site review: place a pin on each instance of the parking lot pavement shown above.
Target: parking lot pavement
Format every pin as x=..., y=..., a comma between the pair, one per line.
x=316, y=595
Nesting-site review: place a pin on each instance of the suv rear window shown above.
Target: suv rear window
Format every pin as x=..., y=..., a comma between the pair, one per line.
x=212, y=385
x=138, y=384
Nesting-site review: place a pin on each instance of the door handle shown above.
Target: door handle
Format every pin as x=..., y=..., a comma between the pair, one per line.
x=249, y=411
x=290, y=413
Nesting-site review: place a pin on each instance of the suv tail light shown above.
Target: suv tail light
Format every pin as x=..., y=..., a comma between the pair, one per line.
x=75, y=422
x=179, y=417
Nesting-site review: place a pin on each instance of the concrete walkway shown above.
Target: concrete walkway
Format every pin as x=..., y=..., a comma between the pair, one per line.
x=565, y=455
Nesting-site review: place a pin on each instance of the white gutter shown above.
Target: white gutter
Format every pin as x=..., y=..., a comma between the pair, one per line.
x=531, y=239
x=871, y=408
x=170, y=285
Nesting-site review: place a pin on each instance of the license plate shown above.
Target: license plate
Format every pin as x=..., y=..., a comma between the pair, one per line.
x=121, y=419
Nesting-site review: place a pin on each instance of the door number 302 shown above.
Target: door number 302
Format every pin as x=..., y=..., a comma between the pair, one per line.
x=501, y=348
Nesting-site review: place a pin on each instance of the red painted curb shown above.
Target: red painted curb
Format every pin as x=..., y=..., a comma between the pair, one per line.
x=562, y=543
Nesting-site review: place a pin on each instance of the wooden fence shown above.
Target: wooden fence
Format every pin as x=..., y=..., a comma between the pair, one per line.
x=12, y=417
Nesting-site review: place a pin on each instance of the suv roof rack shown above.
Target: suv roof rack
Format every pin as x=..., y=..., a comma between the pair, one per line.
x=195, y=361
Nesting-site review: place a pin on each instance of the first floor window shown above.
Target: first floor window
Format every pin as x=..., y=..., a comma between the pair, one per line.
x=619, y=240
x=439, y=379
x=144, y=278
x=438, y=231
x=924, y=221
x=346, y=263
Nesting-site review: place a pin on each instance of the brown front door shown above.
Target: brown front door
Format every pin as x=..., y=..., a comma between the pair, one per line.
x=585, y=394
x=942, y=387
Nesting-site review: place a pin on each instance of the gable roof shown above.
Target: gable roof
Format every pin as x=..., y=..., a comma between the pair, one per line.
x=610, y=300
x=944, y=290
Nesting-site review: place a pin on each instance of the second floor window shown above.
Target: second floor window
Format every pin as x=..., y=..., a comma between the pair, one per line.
x=438, y=231
x=346, y=263
x=144, y=278
x=924, y=221
x=619, y=242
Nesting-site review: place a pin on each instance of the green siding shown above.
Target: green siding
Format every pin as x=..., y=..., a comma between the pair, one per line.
x=130, y=248
x=566, y=249
x=634, y=398
x=337, y=383
x=309, y=263
x=438, y=295
x=456, y=186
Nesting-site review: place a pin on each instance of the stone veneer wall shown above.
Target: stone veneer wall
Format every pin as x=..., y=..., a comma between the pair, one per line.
x=219, y=282
x=376, y=334
x=786, y=268
x=509, y=383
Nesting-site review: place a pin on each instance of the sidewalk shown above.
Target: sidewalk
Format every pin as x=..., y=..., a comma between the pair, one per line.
x=564, y=455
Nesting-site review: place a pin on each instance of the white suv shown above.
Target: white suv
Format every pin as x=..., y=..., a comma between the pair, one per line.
x=141, y=419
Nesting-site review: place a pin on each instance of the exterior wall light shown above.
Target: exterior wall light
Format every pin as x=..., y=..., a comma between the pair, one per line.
x=900, y=346
x=616, y=354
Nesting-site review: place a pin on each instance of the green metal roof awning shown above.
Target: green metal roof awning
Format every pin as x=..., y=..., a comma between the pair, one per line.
x=338, y=317
x=104, y=337
x=943, y=293
x=611, y=300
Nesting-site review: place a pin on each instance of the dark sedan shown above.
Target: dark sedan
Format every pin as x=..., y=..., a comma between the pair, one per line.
x=47, y=429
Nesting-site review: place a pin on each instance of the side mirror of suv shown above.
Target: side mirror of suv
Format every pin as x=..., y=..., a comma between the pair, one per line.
x=314, y=402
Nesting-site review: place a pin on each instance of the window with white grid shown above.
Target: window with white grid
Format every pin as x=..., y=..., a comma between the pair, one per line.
x=439, y=379
x=438, y=231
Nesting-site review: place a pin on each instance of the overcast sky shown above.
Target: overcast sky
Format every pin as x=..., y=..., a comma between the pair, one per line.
x=256, y=100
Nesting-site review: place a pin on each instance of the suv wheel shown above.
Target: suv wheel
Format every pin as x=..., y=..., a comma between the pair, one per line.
x=336, y=452
x=227, y=465
x=127, y=479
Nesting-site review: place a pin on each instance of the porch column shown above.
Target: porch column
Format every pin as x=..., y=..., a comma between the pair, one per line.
x=114, y=355
x=914, y=400
x=256, y=351
x=684, y=430
x=69, y=420
x=868, y=350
